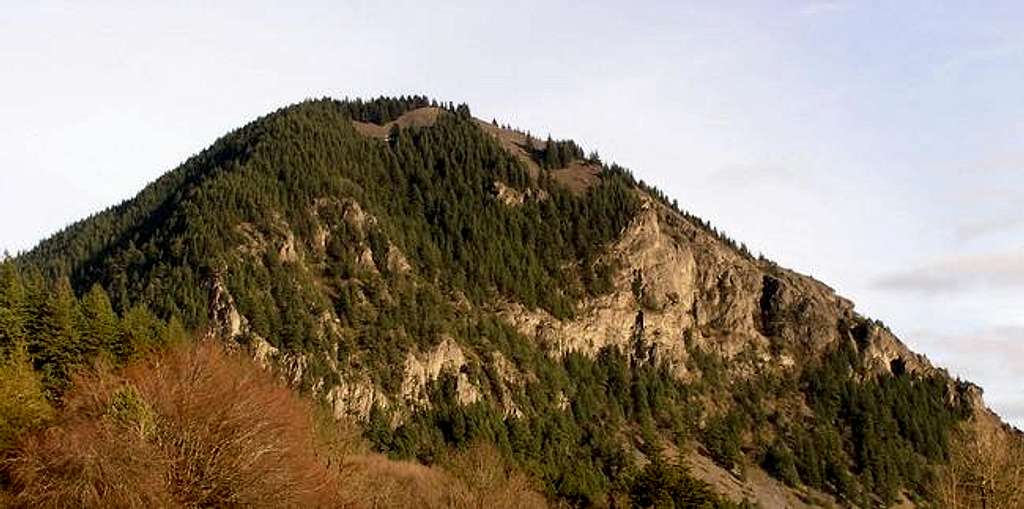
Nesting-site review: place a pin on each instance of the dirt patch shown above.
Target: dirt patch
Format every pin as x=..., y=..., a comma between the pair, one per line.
x=756, y=485
x=578, y=176
x=515, y=143
x=420, y=117
x=371, y=130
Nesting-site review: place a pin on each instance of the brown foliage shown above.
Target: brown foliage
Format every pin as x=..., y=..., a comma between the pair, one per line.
x=475, y=478
x=87, y=464
x=490, y=481
x=193, y=427
x=197, y=427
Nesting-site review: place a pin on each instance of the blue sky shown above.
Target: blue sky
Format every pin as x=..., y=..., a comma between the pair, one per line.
x=874, y=145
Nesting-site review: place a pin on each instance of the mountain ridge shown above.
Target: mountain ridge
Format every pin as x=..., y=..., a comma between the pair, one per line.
x=443, y=279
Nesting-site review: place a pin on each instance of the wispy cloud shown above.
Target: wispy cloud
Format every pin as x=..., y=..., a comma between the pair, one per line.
x=1006, y=342
x=972, y=230
x=920, y=280
x=999, y=270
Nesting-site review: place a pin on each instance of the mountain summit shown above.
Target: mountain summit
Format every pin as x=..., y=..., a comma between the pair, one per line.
x=447, y=281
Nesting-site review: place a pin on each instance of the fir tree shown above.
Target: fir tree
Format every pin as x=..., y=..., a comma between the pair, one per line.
x=98, y=327
x=52, y=337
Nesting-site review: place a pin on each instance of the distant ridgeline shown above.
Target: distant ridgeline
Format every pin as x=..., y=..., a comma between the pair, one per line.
x=355, y=254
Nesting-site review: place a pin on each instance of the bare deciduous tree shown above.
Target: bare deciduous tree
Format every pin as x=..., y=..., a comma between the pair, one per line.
x=986, y=468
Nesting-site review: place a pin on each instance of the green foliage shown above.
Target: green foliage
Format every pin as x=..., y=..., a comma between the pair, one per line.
x=132, y=412
x=44, y=324
x=721, y=437
x=23, y=403
x=780, y=463
x=880, y=433
x=141, y=332
x=871, y=435
x=476, y=241
x=98, y=324
x=383, y=109
x=429, y=188
x=665, y=485
x=12, y=307
x=558, y=154
x=50, y=330
x=569, y=432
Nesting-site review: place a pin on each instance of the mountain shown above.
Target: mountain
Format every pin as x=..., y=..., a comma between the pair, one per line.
x=447, y=281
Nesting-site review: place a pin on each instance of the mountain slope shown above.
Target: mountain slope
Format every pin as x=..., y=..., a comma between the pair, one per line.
x=447, y=281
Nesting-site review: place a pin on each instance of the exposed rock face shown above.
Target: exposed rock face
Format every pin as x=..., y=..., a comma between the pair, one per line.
x=667, y=273
x=263, y=352
x=420, y=369
x=513, y=197
x=287, y=251
x=676, y=287
x=507, y=195
x=510, y=378
x=658, y=285
x=278, y=238
x=225, y=320
x=228, y=325
x=356, y=397
x=677, y=280
x=354, y=393
x=333, y=214
x=396, y=261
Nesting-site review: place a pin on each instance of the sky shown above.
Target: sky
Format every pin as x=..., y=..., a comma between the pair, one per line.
x=877, y=146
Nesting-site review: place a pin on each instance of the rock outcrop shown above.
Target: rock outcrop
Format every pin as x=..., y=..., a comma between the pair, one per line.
x=683, y=284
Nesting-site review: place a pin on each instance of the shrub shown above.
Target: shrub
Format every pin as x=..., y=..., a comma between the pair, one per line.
x=489, y=480
x=194, y=427
x=475, y=477
x=87, y=464
x=197, y=427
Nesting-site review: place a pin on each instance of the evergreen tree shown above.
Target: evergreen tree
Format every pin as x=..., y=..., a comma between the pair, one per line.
x=98, y=329
x=52, y=337
x=23, y=402
x=551, y=160
x=12, y=306
x=140, y=332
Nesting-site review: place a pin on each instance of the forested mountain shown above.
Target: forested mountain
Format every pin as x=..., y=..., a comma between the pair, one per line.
x=448, y=282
